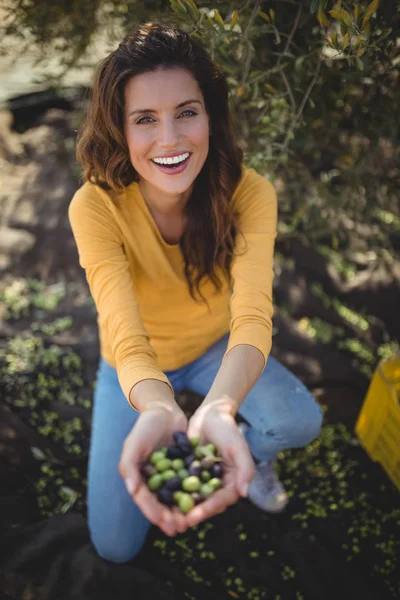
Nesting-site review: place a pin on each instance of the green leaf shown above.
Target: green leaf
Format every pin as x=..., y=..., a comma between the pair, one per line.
x=218, y=18
x=264, y=16
x=322, y=18
x=385, y=34
x=193, y=9
x=182, y=7
x=341, y=15
x=371, y=8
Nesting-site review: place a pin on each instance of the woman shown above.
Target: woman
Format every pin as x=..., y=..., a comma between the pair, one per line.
x=176, y=238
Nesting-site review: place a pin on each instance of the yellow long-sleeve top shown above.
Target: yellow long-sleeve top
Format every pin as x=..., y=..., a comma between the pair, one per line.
x=148, y=322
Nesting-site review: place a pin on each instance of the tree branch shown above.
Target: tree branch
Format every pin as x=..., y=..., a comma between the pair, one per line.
x=301, y=107
x=293, y=31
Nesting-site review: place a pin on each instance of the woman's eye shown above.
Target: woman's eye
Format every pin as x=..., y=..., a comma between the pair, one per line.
x=188, y=112
x=191, y=112
x=142, y=120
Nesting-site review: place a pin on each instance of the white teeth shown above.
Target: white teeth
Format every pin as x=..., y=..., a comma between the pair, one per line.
x=175, y=160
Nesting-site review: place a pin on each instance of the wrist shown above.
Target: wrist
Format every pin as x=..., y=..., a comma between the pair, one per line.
x=223, y=404
x=152, y=393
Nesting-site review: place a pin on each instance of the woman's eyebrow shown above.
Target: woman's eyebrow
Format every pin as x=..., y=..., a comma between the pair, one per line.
x=150, y=110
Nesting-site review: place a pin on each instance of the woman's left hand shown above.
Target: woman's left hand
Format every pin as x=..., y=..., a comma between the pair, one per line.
x=214, y=423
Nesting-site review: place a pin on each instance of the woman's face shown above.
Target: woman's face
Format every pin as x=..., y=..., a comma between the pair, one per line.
x=165, y=116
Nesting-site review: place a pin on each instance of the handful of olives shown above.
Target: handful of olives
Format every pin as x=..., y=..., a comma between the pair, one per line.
x=185, y=473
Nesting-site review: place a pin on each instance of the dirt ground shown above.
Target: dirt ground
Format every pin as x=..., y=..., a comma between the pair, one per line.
x=338, y=537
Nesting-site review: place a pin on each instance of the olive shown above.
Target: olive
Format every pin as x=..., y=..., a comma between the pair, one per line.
x=195, y=468
x=156, y=456
x=174, y=452
x=207, y=463
x=163, y=464
x=199, y=451
x=180, y=436
x=197, y=497
x=205, y=476
x=165, y=496
x=186, y=503
x=176, y=495
x=183, y=473
x=206, y=490
x=174, y=483
x=189, y=459
x=211, y=448
x=217, y=470
x=215, y=483
x=185, y=447
x=191, y=484
x=155, y=482
x=195, y=441
x=147, y=470
x=168, y=474
x=178, y=464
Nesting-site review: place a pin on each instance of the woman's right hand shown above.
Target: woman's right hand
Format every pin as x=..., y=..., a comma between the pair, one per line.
x=153, y=429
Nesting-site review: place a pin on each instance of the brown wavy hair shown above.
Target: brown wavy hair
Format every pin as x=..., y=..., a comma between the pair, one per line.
x=208, y=240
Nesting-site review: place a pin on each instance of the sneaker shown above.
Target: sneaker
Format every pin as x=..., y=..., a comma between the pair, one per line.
x=266, y=491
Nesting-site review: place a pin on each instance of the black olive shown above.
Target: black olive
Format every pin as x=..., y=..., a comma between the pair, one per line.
x=166, y=496
x=180, y=436
x=148, y=470
x=189, y=459
x=217, y=470
x=185, y=447
x=174, y=452
x=195, y=469
x=173, y=484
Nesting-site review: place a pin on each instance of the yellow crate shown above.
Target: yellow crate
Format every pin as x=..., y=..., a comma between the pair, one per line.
x=378, y=424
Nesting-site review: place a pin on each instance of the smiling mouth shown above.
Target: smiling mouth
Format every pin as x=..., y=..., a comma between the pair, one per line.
x=172, y=166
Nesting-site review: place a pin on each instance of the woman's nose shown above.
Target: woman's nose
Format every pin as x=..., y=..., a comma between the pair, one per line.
x=169, y=134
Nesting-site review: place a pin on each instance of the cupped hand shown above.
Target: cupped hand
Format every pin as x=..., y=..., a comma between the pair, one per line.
x=215, y=424
x=153, y=429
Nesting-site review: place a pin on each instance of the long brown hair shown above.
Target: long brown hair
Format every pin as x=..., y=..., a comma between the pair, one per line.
x=208, y=241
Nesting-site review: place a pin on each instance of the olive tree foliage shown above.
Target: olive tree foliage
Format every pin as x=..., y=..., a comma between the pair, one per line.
x=313, y=92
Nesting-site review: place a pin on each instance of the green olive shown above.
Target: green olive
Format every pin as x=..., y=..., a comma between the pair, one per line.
x=155, y=482
x=205, y=476
x=185, y=502
x=195, y=441
x=163, y=464
x=178, y=464
x=183, y=473
x=198, y=451
x=156, y=456
x=206, y=490
x=176, y=495
x=191, y=484
x=168, y=474
x=215, y=483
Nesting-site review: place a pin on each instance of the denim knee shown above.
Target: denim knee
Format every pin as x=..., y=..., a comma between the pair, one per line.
x=305, y=426
x=116, y=552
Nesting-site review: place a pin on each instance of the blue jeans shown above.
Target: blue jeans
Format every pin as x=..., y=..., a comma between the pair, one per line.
x=281, y=413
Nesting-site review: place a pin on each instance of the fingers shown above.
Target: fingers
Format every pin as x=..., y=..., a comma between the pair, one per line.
x=214, y=505
x=244, y=464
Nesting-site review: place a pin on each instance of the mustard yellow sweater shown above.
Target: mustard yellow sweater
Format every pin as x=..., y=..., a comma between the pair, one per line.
x=148, y=322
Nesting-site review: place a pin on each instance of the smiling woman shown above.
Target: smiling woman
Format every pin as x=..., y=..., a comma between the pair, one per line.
x=177, y=237
x=170, y=137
